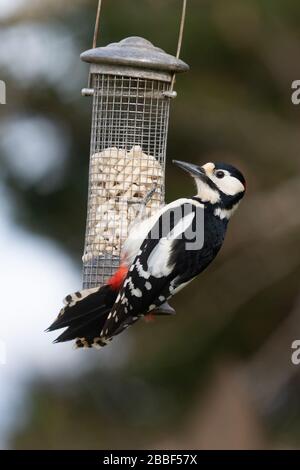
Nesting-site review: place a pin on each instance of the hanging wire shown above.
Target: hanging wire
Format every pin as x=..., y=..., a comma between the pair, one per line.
x=95, y=38
x=180, y=37
x=97, y=24
x=179, y=44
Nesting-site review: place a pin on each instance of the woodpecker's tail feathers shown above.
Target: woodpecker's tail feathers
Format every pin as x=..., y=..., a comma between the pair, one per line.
x=84, y=315
x=96, y=342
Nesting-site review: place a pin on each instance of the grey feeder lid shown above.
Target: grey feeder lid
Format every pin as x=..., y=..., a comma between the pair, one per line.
x=134, y=56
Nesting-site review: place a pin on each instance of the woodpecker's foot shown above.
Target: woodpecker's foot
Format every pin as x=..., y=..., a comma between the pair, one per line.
x=144, y=201
x=163, y=309
x=149, y=195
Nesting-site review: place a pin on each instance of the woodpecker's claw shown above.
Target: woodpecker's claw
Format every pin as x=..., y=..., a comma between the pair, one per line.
x=149, y=195
x=143, y=203
x=146, y=199
x=164, y=309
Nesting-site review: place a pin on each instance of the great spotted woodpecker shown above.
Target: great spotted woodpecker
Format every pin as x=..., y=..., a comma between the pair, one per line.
x=162, y=254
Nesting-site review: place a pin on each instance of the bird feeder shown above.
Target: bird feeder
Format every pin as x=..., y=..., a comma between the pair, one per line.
x=131, y=84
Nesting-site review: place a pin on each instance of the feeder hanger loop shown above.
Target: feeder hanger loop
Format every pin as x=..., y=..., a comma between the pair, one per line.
x=179, y=44
x=97, y=24
x=90, y=91
x=170, y=93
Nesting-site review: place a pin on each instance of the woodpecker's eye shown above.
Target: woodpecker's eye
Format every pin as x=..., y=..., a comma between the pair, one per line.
x=220, y=174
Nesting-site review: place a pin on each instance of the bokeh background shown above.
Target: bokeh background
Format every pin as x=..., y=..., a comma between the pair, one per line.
x=219, y=374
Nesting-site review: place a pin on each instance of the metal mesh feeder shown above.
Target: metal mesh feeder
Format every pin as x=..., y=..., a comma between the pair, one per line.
x=131, y=84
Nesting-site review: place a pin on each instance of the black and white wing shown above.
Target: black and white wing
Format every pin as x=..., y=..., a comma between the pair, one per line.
x=162, y=265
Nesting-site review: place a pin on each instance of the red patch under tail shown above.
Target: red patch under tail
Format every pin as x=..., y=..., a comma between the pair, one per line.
x=149, y=317
x=117, y=279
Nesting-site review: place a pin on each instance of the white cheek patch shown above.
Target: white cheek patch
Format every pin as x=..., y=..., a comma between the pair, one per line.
x=206, y=193
x=228, y=185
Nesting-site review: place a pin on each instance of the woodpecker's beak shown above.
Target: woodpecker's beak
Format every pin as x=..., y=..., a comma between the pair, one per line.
x=195, y=170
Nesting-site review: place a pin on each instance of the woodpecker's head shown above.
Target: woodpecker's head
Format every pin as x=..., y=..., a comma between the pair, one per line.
x=219, y=184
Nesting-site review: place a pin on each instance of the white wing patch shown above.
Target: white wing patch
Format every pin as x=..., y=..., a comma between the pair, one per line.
x=158, y=261
x=182, y=226
x=159, y=257
x=139, y=231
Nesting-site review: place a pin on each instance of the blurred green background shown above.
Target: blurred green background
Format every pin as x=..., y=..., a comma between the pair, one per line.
x=219, y=374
